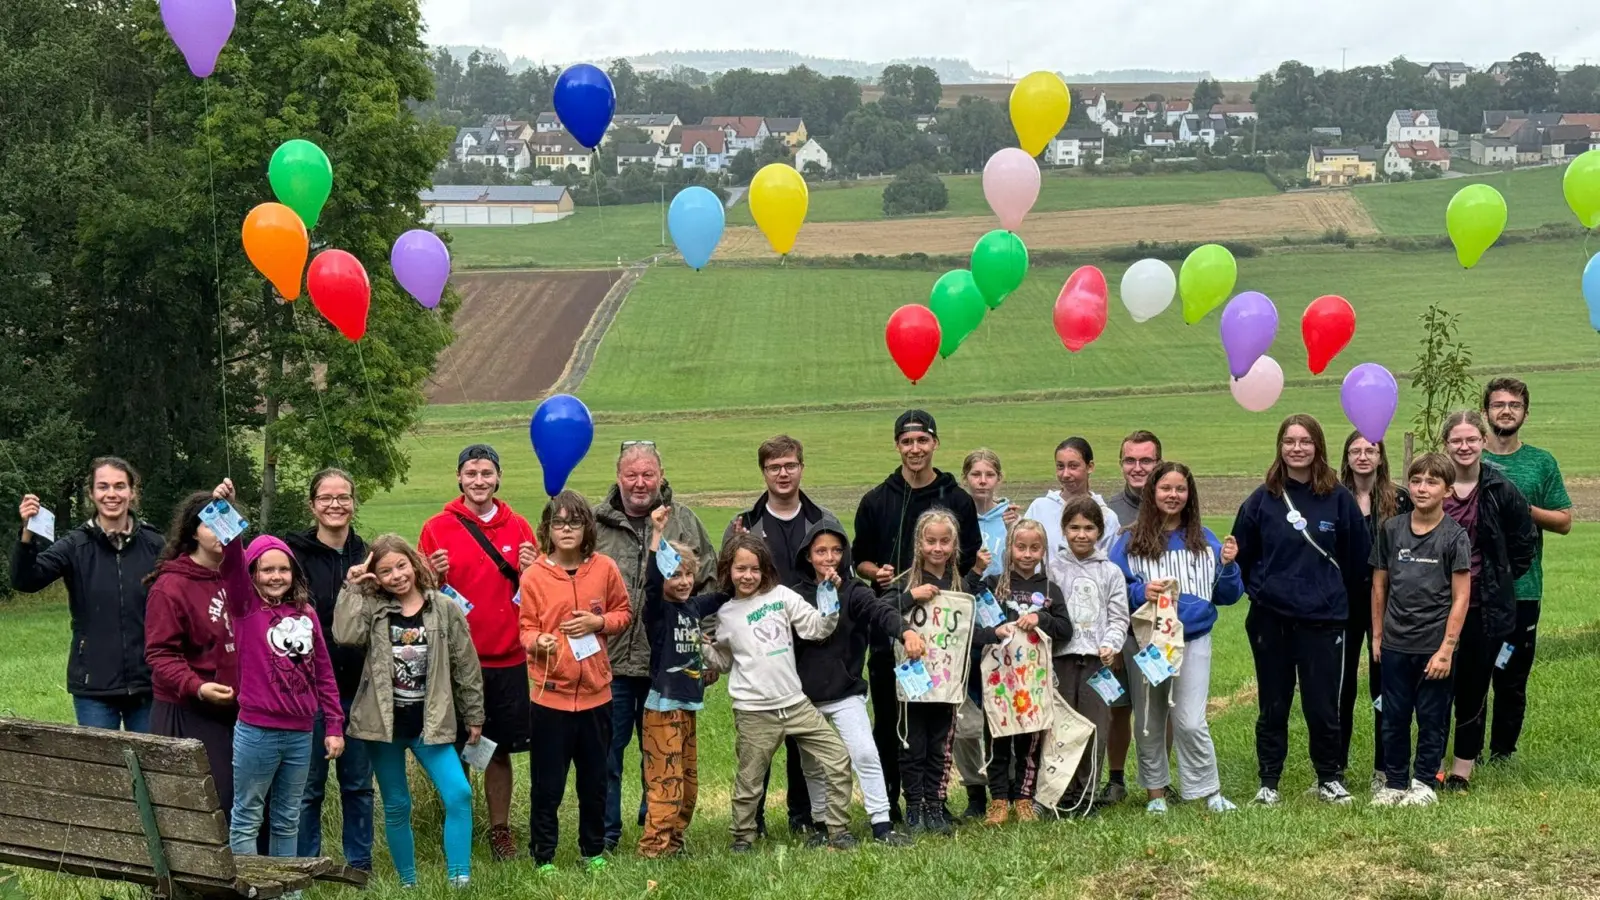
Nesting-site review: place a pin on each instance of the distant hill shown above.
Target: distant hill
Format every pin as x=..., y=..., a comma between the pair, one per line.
x=1133, y=76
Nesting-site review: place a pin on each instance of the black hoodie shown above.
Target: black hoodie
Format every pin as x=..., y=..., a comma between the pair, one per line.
x=673, y=629
x=325, y=570
x=831, y=669
x=1034, y=594
x=886, y=524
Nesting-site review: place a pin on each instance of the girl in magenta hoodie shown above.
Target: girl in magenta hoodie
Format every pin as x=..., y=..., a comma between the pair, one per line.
x=189, y=643
x=285, y=681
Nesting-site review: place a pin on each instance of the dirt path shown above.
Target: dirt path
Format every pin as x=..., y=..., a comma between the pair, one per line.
x=1246, y=217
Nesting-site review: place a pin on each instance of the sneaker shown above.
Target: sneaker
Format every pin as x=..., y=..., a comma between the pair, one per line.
x=976, y=797
x=739, y=847
x=502, y=843
x=914, y=816
x=1455, y=784
x=1334, y=792
x=999, y=813
x=1496, y=757
x=798, y=827
x=593, y=863
x=1220, y=804
x=546, y=869
x=1419, y=795
x=937, y=819
x=1387, y=796
x=1267, y=797
x=1379, y=782
x=1112, y=794
x=892, y=838
x=1156, y=807
x=457, y=882
x=844, y=840
x=1026, y=812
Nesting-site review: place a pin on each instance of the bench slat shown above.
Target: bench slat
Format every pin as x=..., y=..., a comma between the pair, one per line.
x=157, y=755
x=112, y=871
x=194, y=792
x=185, y=858
x=111, y=815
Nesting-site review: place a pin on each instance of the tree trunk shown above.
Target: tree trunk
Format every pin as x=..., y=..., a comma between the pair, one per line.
x=269, y=450
x=1410, y=448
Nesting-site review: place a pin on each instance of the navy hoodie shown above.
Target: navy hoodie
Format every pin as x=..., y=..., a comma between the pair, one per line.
x=830, y=669
x=1283, y=573
x=1034, y=594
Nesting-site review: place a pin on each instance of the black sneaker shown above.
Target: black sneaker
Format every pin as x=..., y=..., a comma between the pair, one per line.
x=1455, y=784
x=938, y=819
x=977, y=803
x=888, y=837
x=1497, y=757
x=1112, y=794
x=803, y=827
x=740, y=847
x=817, y=840
x=844, y=840
x=914, y=816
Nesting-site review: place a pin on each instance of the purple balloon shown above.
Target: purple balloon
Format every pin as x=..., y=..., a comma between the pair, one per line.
x=1370, y=396
x=1249, y=323
x=200, y=28
x=421, y=264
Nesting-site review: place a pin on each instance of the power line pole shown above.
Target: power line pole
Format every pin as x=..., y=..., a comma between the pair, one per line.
x=1342, y=51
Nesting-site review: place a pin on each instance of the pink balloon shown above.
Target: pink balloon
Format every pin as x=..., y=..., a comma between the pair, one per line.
x=1260, y=387
x=1011, y=185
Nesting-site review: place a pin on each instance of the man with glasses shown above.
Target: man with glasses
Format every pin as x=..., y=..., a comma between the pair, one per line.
x=1535, y=472
x=478, y=546
x=781, y=517
x=623, y=519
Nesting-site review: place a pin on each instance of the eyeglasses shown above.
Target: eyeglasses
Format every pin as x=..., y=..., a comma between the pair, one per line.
x=1507, y=405
x=334, y=500
x=1143, y=462
x=1462, y=443
x=565, y=525
x=1305, y=443
x=783, y=468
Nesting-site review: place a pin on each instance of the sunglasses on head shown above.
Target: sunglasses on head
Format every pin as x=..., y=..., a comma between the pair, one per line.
x=627, y=444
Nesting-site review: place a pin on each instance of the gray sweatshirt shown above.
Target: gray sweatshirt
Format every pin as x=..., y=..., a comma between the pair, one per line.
x=1096, y=595
x=756, y=635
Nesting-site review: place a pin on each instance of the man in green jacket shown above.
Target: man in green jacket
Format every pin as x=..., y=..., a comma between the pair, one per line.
x=624, y=523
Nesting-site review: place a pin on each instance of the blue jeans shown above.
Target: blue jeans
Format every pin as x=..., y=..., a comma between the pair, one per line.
x=1408, y=693
x=627, y=719
x=443, y=766
x=130, y=713
x=355, y=800
x=267, y=759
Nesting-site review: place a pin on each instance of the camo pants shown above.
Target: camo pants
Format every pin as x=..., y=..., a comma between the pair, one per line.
x=672, y=780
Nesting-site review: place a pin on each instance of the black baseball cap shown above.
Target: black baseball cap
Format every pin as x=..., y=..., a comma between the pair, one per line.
x=915, y=420
x=478, y=451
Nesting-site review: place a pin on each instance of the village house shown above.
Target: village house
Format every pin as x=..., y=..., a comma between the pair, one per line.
x=1160, y=139
x=740, y=132
x=1334, y=166
x=480, y=204
x=1176, y=111
x=559, y=155
x=1244, y=112
x=1488, y=150
x=547, y=121
x=1139, y=113
x=653, y=155
x=705, y=148
x=1413, y=125
x=1403, y=157
x=1094, y=104
x=1197, y=130
x=1560, y=142
x=1589, y=120
x=1072, y=146
x=791, y=130
x=1449, y=74
x=656, y=125
x=1500, y=71
x=925, y=121
x=812, y=152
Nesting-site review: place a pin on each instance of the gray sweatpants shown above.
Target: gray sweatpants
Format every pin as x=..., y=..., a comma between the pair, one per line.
x=849, y=717
x=1183, y=698
x=968, y=745
x=823, y=757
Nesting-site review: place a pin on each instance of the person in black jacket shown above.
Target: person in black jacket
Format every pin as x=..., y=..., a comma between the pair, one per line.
x=1303, y=552
x=886, y=520
x=1504, y=541
x=830, y=669
x=104, y=562
x=1364, y=471
x=326, y=553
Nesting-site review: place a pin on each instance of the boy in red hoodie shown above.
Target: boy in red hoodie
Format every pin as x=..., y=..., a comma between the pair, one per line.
x=477, y=546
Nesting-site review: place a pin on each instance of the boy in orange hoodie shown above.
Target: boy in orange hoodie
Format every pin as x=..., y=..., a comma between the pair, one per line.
x=571, y=599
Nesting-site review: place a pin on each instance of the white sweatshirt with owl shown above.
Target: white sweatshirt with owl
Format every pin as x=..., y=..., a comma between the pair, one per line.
x=1096, y=595
x=757, y=633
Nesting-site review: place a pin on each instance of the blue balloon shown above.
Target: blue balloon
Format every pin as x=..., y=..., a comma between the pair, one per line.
x=561, y=431
x=1591, y=290
x=695, y=219
x=585, y=102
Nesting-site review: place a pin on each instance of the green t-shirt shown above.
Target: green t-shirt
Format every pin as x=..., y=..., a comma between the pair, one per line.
x=1536, y=474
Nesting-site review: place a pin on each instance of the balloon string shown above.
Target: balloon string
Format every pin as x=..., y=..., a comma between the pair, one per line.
x=305, y=350
x=216, y=264
x=393, y=468
x=455, y=370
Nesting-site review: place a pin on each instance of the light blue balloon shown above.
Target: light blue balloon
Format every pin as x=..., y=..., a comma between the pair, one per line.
x=696, y=219
x=1591, y=290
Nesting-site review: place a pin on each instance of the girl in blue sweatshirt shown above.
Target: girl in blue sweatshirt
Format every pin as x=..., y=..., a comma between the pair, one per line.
x=1168, y=544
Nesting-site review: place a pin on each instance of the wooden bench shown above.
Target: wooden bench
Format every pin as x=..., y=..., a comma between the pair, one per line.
x=131, y=807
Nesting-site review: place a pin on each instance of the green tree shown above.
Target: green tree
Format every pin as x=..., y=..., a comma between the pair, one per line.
x=926, y=91
x=915, y=190
x=977, y=128
x=742, y=167
x=871, y=143
x=625, y=82
x=489, y=88
x=1531, y=83
x=1207, y=93
x=1580, y=90
x=897, y=82
x=1443, y=374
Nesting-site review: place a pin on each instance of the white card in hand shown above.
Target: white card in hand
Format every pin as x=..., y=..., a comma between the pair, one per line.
x=43, y=524
x=583, y=647
x=478, y=755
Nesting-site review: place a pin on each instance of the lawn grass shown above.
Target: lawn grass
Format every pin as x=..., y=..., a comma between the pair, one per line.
x=1059, y=191
x=744, y=337
x=591, y=236
x=1525, y=830
x=1533, y=198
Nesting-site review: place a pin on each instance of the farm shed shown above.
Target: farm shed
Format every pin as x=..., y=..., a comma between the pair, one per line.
x=481, y=204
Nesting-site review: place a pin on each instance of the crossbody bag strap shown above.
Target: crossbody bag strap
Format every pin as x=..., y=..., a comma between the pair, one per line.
x=1306, y=531
x=488, y=548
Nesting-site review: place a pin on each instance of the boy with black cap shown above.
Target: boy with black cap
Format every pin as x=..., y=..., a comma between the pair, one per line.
x=479, y=547
x=885, y=521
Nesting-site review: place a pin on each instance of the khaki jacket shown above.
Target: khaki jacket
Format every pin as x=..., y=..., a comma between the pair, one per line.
x=455, y=679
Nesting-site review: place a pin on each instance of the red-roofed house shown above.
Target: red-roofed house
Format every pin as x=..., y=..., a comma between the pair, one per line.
x=705, y=148
x=1403, y=155
x=1244, y=112
x=1590, y=119
x=1176, y=110
x=742, y=132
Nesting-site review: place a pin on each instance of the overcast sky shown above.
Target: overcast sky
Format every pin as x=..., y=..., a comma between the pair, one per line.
x=1234, y=38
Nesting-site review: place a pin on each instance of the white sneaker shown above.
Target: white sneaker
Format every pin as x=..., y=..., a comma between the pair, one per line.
x=1388, y=796
x=1267, y=797
x=1379, y=781
x=1419, y=795
x=1220, y=804
x=1156, y=807
x=1334, y=792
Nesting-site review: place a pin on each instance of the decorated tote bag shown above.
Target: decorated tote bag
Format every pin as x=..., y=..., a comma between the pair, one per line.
x=945, y=625
x=1156, y=624
x=1016, y=684
x=1060, y=752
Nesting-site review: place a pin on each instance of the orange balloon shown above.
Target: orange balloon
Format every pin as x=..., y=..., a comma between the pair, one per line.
x=276, y=242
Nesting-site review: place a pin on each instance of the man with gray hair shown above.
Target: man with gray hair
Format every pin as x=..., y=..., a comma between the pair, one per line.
x=624, y=524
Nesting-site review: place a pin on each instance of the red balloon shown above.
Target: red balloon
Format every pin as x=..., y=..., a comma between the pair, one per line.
x=913, y=338
x=1080, y=314
x=1327, y=326
x=341, y=292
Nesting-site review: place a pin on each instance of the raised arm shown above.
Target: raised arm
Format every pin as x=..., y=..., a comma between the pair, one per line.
x=808, y=623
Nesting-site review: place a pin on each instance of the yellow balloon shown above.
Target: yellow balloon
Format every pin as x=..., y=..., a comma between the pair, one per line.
x=1039, y=106
x=778, y=200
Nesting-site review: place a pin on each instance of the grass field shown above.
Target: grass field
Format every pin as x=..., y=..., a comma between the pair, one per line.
x=1533, y=198
x=1059, y=191
x=591, y=236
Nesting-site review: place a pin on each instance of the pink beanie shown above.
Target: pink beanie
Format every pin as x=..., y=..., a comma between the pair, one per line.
x=261, y=545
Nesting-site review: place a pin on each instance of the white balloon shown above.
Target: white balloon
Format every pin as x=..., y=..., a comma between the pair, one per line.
x=1260, y=387
x=1148, y=288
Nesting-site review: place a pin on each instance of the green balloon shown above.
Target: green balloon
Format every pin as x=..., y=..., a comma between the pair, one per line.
x=1206, y=279
x=958, y=305
x=302, y=179
x=999, y=263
